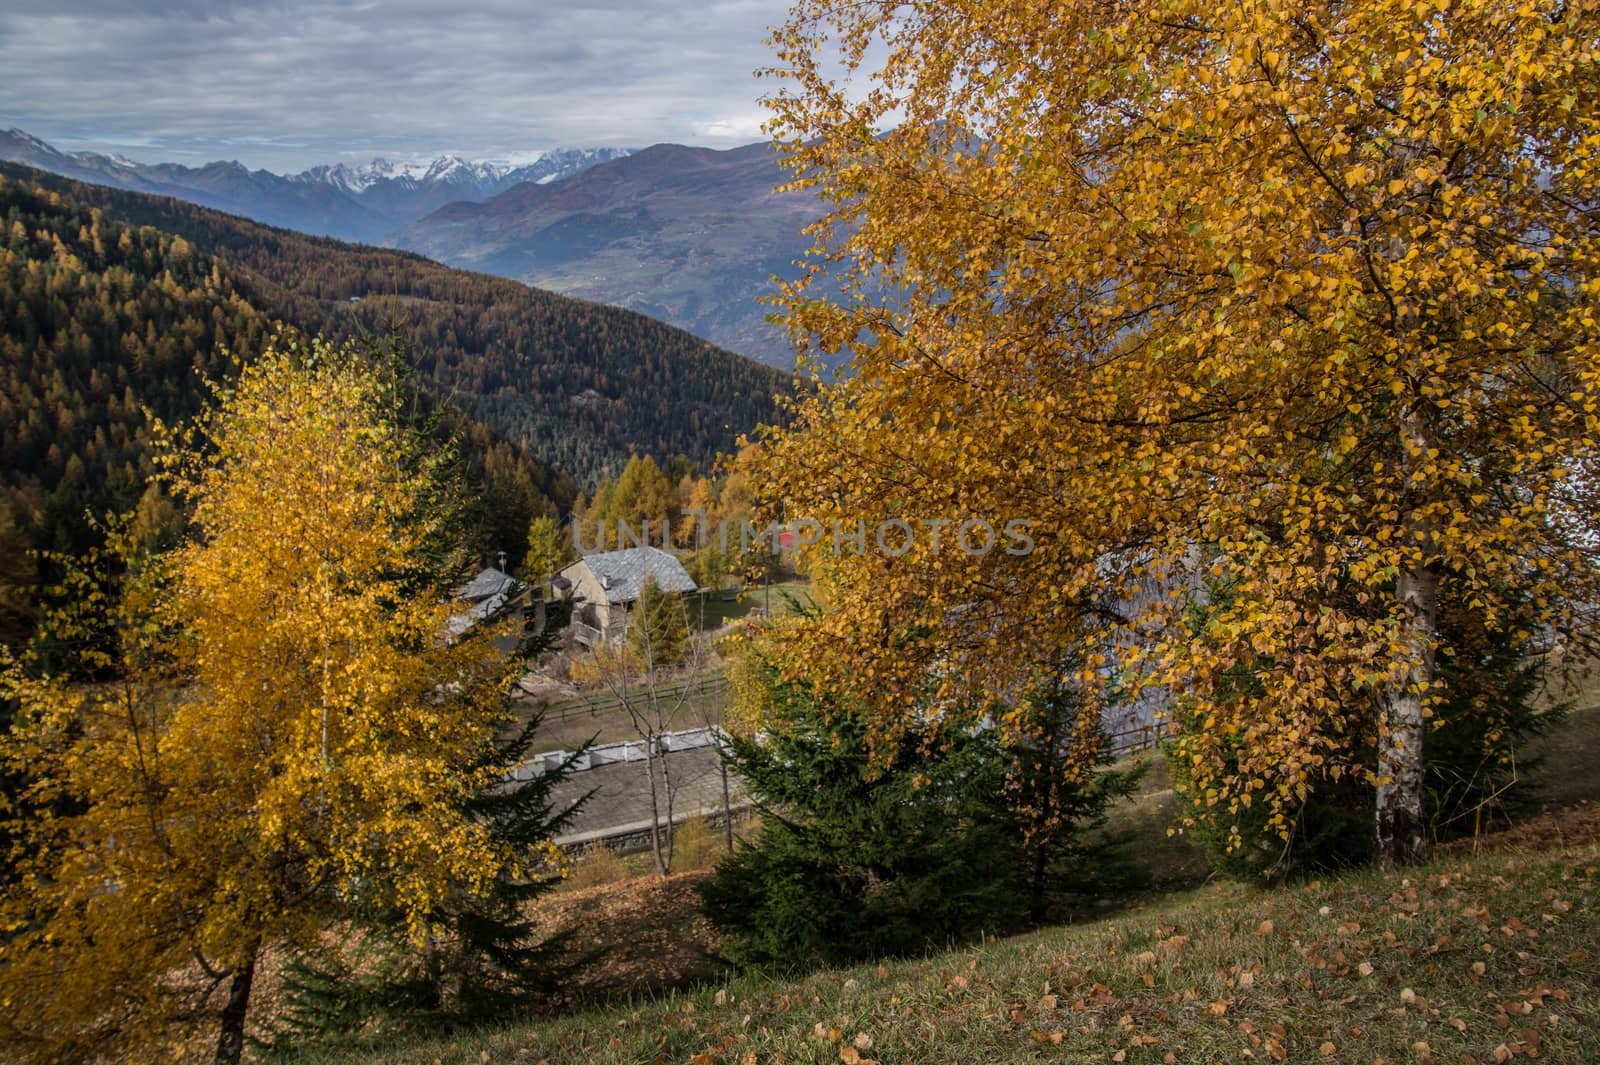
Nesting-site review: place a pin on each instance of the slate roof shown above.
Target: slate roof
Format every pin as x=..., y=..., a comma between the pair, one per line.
x=622, y=573
x=487, y=592
x=488, y=583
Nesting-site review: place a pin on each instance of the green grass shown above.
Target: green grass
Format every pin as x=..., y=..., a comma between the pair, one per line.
x=1470, y=959
x=711, y=610
x=1566, y=758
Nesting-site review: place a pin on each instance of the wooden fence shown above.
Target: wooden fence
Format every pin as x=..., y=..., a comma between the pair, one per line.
x=1129, y=741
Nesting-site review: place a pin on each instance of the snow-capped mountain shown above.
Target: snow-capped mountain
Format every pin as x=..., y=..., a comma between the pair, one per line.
x=357, y=179
x=354, y=202
x=414, y=188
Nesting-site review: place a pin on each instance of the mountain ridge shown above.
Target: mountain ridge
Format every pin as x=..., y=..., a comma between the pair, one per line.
x=686, y=234
x=364, y=202
x=581, y=385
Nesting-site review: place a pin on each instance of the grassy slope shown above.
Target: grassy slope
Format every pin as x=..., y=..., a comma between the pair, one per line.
x=1472, y=959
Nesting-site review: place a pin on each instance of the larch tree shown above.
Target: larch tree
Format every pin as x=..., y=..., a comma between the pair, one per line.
x=1292, y=300
x=548, y=550
x=275, y=726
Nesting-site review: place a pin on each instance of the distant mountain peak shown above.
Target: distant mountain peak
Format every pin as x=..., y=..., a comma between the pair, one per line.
x=690, y=235
x=15, y=139
x=363, y=201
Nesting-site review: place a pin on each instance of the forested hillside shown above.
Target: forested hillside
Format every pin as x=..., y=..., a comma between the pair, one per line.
x=116, y=306
x=584, y=385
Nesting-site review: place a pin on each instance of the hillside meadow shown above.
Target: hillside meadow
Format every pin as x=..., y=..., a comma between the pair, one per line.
x=1484, y=957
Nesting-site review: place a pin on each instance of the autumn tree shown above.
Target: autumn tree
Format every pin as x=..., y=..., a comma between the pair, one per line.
x=277, y=729
x=658, y=630
x=1295, y=300
x=484, y=957
x=655, y=647
x=548, y=550
x=642, y=498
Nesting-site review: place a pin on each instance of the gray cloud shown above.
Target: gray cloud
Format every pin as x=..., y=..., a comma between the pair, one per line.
x=285, y=84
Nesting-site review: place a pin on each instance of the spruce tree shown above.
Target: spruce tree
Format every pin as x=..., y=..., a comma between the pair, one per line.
x=658, y=633
x=852, y=865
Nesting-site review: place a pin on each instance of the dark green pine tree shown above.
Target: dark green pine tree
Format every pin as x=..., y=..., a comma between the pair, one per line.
x=853, y=865
x=1478, y=759
x=658, y=632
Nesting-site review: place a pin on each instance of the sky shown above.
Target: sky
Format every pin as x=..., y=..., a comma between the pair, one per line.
x=287, y=84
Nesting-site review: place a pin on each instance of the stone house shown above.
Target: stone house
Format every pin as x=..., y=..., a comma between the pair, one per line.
x=607, y=586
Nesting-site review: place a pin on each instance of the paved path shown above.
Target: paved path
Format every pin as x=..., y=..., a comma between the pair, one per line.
x=620, y=805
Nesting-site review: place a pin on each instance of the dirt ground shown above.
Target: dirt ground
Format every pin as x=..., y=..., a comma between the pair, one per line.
x=644, y=934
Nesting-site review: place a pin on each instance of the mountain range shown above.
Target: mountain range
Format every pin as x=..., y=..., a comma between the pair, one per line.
x=691, y=236
x=360, y=203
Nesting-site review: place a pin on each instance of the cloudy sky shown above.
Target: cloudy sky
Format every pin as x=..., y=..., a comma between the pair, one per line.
x=284, y=84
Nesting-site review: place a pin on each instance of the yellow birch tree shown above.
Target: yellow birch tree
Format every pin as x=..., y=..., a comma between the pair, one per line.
x=1297, y=300
x=285, y=731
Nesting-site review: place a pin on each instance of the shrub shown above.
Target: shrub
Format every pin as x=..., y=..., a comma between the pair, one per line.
x=937, y=839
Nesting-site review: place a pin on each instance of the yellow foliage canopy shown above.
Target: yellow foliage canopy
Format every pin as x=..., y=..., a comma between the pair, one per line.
x=1295, y=300
x=287, y=731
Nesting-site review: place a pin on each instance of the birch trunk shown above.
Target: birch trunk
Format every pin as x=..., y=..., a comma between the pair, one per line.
x=1400, y=826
